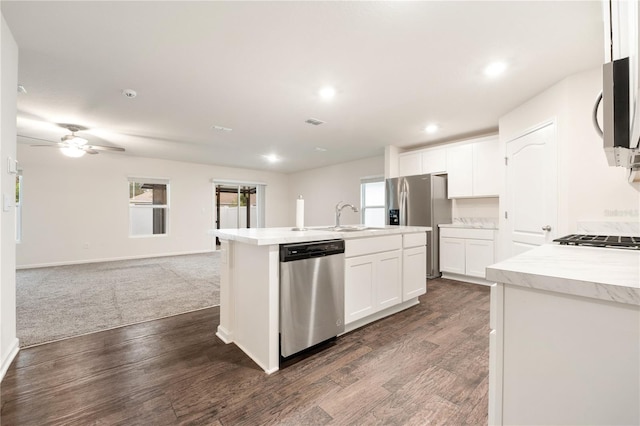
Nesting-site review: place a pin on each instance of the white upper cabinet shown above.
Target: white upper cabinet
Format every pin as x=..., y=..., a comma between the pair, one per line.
x=459, y=169
x=434, y=161
x=474, y=169
x=486, y=168
x=410, y=164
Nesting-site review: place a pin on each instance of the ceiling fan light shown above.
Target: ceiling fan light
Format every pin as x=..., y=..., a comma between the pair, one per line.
x=73, y=152
x=75, y=140
x=79, y=141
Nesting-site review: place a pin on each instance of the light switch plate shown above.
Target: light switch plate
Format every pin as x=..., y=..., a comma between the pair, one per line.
x=12, y=166
x=6, y=203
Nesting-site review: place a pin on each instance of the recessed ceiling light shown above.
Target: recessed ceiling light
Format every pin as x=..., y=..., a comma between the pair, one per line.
x=221, y=128
x=272, y=158
x=129, y=93
x=431, y=128
x=321, y=149
x=494, y=69
x=327, y=92
x=314, y=121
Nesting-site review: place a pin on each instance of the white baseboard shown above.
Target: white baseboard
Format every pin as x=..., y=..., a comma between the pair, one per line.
x=465, y=278
x=111, y=259
x=256, y=359
x=224, y=335
x=379, y=315
x=13, y=351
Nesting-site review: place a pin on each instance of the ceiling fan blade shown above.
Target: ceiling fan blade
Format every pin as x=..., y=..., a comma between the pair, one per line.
x=38, y=139
x=104, y=148
x=53, y=145
x=90, y=151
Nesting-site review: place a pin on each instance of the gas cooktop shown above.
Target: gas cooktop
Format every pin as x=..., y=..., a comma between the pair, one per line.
x=608, y=241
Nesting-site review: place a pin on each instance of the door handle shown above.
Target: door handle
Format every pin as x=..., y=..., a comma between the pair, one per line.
x=546, y=228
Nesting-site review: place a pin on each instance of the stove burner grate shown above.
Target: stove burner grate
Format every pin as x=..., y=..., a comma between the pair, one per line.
x=609, y=241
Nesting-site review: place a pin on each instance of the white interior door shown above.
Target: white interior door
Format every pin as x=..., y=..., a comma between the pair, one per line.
x=531, y=190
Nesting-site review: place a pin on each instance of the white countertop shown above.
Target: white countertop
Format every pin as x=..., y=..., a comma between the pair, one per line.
x=599, y=273
x=469, y=226
x=269, y=236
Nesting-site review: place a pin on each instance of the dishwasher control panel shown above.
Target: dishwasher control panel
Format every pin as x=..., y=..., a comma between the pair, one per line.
x=297, y=251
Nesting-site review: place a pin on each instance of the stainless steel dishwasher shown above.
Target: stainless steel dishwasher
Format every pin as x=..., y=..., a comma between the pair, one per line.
x=311, y=294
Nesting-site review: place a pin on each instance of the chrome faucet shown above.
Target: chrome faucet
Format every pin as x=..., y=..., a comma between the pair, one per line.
x=339, y=208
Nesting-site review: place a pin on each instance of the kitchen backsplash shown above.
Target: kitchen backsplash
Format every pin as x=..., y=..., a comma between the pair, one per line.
x=629, y=229
x=476, y=209
x=476, y=222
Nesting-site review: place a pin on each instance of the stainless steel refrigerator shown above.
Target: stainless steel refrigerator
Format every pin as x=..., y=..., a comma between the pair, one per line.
x=420, y=201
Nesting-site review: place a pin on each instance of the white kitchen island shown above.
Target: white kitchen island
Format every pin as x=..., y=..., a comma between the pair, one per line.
x=250, y=281
x=565, y=339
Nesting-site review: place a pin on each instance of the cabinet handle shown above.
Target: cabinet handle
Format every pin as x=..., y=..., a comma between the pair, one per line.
x=546, y=228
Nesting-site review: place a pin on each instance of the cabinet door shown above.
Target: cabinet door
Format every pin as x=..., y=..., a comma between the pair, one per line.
x=410, y=164
x=478, y=255
x=359, y=296
x=414, y=272
x=486, y=168
x=452, y=255
x=434, y=161
x=388, y=277
x=459, y=169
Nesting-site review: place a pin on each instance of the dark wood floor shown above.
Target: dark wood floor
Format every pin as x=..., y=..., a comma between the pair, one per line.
x=426, y=365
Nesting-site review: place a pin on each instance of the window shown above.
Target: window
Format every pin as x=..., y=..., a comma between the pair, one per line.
x=372, y=201
x=19, y=207
x=148, y=206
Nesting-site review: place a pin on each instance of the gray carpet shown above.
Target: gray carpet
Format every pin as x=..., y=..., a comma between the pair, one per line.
x=63, y=301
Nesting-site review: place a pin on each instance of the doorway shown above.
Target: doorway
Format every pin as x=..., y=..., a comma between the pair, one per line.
x=532, y=189
x=238, y=205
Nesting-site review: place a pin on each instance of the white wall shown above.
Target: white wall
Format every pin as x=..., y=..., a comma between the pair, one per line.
x=70, y=203
x=324, y=187
x=588, y=189
x=596, y=191
x=8, y=92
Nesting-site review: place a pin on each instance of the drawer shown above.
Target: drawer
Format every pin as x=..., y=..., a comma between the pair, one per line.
x=471, y=233
x=414, y=240
x=362, y=246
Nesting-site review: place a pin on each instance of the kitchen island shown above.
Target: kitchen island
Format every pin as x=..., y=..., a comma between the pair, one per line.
x=250, y=280
x=565, y=339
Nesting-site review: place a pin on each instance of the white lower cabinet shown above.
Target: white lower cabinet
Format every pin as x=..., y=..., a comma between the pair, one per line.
x=562, y=359
x=414, y=272
x=372, y=283
x=452, y=255
x=466, y=251
x=381, y=273
x=359, y=287
x=478, y=255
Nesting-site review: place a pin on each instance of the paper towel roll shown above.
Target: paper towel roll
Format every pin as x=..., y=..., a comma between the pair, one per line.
x=300, y=212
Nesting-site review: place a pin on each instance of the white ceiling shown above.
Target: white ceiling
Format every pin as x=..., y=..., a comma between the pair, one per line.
x=256, y=67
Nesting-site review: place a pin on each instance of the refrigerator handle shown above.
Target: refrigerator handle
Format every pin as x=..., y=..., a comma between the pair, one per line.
x=403, y=203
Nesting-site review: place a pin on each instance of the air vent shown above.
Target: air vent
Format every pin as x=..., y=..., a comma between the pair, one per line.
x=314, y=121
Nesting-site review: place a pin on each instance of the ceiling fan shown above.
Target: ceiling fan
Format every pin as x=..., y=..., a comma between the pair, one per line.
x=73, y=145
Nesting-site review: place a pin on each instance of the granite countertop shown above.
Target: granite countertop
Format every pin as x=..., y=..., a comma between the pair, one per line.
x=269, y=236
x=598, y=273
